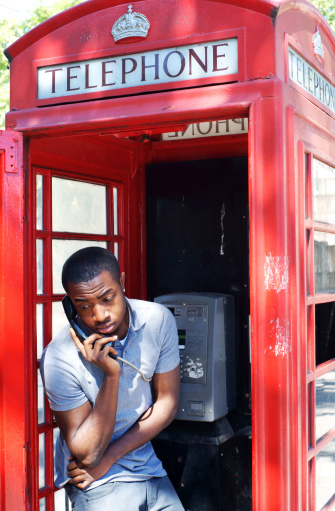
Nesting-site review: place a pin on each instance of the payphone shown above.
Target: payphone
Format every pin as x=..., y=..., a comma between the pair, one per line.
x=206, y=331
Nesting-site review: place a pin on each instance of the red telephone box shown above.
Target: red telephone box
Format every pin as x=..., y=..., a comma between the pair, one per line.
x=195, y=139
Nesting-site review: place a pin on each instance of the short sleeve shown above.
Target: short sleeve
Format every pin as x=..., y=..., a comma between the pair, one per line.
x=169, y=354
x=60, y=382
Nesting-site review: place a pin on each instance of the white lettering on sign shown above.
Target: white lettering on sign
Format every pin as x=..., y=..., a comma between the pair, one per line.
x=305, y=75
x=210, y=129
x=216, y=58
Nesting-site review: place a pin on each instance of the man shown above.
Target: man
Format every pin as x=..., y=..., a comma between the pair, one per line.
x=104, y=408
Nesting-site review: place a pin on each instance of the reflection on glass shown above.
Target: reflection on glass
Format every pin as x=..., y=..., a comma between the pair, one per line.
x=39, y=202
x=78, y=207
x=309, y=415
x=323, y=192
x=40, y=398
x=115, y=211
x=39, y=266
x=55, y=436
x=62, y=503
x=307, y=156
x=116, y=250
x=325, y=475
x=39, y=329
x=43, y=505
x=325, y=403
x=61, y=250
x=58, y=318
x=41, y=476
x=324, y=262
x=324, y=332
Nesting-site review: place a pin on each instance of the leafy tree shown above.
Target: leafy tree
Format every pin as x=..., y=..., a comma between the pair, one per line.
x=10, y=30
x=327, y=9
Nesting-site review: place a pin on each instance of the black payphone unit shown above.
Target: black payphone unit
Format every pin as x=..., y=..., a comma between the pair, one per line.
x=206, y=330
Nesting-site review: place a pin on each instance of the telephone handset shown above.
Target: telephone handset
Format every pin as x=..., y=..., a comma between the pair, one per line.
x=71, y=314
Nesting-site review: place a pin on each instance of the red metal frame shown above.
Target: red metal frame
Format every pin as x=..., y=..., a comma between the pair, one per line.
x=285, y=124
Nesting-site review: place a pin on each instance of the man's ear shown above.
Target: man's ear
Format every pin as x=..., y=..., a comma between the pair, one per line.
x=122, y=281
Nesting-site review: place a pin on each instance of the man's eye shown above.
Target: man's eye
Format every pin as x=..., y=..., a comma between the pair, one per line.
x=83, y=307
x=109, y=298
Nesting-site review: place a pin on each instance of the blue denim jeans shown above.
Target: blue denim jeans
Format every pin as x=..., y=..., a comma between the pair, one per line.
x=155, y=494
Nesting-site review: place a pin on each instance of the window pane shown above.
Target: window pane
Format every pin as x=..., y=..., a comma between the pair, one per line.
x=115, y=211
x=41, y=478
x=325, y=475
x=39, y=266
x=325, y=403
x=39, y=329
x=61, y=250
x=78, y=207
x=324, y=262
x=40, y=399
x=61, y=501
x=43, y=505
x=58, y=318
x=39, y=202
x=323, y=192
x=324, y=332
x=116, y=250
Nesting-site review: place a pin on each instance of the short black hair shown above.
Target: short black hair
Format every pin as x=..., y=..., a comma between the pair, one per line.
x=87, y=264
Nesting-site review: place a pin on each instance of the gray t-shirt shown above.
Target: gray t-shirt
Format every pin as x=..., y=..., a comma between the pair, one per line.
x=69, y=380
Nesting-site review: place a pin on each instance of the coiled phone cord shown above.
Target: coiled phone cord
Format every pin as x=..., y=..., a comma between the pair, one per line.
x=133, y=367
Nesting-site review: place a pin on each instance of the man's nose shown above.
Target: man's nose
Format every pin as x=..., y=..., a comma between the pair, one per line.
x=100, y=313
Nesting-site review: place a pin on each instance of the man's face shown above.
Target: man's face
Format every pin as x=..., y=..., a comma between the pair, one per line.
x=101, y=304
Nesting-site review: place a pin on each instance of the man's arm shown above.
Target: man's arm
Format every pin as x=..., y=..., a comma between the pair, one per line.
x=154, y=420
x=86, y=431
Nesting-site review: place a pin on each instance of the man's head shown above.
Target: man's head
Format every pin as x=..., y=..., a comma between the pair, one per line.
x=91, y=278
x=88, y=263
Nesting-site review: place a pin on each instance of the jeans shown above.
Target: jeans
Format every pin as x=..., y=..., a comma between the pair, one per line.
x=155, y=494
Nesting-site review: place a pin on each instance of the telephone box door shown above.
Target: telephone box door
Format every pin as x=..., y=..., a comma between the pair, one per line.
x=12, y=325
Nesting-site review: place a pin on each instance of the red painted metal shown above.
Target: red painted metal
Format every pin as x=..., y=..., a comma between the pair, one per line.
x=286, y=128
x=13, y=402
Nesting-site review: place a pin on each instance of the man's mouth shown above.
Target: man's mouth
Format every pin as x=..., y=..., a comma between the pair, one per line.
x=105, y=329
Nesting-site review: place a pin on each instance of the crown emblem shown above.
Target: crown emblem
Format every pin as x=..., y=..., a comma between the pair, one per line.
x=318, y=46
x=131, y=24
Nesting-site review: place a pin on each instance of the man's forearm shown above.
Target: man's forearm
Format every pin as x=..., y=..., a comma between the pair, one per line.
x=153, y=421
x=90, y=440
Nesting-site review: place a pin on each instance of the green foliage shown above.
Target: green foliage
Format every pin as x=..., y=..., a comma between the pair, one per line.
x=11, y=30
x=327, y=9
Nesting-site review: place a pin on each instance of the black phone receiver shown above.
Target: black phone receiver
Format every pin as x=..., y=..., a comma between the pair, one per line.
x=71, y=314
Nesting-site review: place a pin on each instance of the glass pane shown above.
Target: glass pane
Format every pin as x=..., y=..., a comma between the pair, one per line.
x=39, y=329
x=40, y=399
x=325, y=403
x=39, y=202
x=43, y=505
x=58, y=318
x=39, y=266
x=61, y=501
x=307, y=156
x=310, y=389
x=325, y=475
x=324, y=262
x=115, y=211
x=116, y=250
x=41, y=477
x=323, y=192
x=324, y=332
x=61, y=250
x=78, y=207
x=55, y=436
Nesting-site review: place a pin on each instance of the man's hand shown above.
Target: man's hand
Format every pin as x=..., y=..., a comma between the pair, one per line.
x=93, y=351
x=82, y=476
